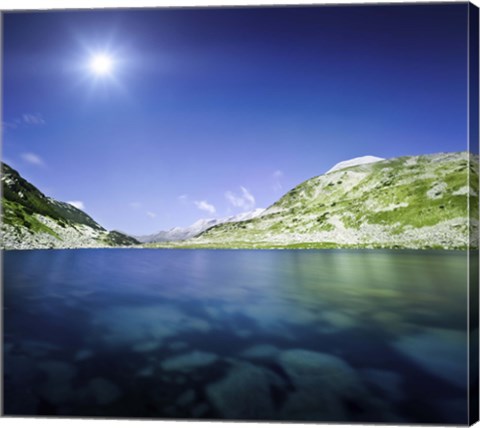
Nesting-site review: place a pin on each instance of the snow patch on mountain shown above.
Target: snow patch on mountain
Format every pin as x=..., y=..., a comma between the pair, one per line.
x=354, y=162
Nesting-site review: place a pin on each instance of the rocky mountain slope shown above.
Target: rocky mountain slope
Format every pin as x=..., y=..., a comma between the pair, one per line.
x=405, y=202
x=183, y=233
x=32, y=220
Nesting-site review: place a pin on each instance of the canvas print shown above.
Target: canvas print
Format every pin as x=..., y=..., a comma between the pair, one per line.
x=249, y=213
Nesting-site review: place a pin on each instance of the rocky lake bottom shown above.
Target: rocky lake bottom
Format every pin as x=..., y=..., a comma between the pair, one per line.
x=301, y=335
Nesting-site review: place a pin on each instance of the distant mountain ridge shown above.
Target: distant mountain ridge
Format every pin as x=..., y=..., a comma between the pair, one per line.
x=32, y=220
x=183, y=233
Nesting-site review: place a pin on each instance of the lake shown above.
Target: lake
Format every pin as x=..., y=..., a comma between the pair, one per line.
x=327, y=335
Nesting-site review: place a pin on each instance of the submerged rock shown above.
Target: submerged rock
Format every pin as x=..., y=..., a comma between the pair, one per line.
x=243, y=394
x=197, y=324
x=306, y=367
x=135, y=324
x=440, y=352
x=189, y=361
x=322, y=383
x=328, y=389
x=146, y=346
x=338, y=320
x=261, y=351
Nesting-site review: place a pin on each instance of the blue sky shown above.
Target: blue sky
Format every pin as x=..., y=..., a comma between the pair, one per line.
x=211, y=112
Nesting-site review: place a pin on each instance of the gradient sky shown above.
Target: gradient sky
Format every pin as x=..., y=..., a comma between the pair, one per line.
x=223, y=109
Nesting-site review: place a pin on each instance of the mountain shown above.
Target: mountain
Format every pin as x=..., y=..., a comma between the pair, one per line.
x=405, y=202
x=33, y=220
x=184, y=233
x=428, y=201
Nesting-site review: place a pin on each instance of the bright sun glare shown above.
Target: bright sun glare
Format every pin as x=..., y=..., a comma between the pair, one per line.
x=101, y=64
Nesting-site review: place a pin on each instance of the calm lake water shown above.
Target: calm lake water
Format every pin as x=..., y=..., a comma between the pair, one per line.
x=371, y=336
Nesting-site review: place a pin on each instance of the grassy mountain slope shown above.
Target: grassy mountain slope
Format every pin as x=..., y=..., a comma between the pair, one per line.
x=32, y=220
x=406, y=202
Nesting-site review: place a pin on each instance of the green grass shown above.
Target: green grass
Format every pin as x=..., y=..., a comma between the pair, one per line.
x=17, y=216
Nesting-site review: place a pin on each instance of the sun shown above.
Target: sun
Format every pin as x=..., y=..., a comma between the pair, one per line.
x=101, y=64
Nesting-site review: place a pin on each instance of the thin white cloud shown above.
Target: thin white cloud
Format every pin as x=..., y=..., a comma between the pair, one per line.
x=183, y=199
x=151, y=214
x=205, y=206
x=26, y=119
x=77, y=204
x=32, y=159
x=248, y=197
x=277, y=176
x=232, y=199
x=245, y=200
x=33, y=119
x=135, y=205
